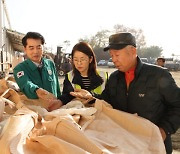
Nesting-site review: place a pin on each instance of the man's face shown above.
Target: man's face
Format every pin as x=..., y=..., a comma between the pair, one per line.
x=124, y=59
x=160, y=62
x=34, y=50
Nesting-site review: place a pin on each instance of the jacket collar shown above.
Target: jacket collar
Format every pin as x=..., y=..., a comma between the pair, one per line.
x=33, y=66
x=137, y=69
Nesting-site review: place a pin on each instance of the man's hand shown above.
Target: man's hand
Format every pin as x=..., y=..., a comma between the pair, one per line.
x=48, y=97
x=163, y=134
x=44, y=94
x=41, y=93
x=81, y=93
x=54, y=104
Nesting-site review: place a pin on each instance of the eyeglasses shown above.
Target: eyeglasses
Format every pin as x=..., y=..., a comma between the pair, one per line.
x=80, y=60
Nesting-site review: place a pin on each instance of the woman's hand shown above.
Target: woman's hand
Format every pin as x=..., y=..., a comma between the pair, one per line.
x=81, y=93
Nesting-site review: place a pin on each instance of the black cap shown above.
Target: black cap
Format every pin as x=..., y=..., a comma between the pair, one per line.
x=120, y=41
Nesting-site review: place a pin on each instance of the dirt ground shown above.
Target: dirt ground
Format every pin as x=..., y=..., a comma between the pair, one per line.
x=176, y=136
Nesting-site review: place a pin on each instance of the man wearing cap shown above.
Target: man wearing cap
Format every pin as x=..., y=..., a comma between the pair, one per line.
x=141, y=88
x=160, y=61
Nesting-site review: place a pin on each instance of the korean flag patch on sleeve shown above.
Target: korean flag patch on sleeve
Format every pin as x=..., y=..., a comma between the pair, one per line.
x=19, y=74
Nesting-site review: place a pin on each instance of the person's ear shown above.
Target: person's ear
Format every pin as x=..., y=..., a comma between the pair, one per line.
x=91, y=59
x=24, y=50
x=134, y=50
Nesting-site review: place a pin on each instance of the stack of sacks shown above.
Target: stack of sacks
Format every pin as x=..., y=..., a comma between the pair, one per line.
x=30, y=129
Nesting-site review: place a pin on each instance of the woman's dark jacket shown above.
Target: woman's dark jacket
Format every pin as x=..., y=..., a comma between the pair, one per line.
x=95, y=81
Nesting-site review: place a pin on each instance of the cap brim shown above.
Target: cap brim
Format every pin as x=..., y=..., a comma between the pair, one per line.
x=115, y=46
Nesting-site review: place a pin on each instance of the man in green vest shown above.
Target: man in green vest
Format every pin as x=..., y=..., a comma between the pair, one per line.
x=37, y=76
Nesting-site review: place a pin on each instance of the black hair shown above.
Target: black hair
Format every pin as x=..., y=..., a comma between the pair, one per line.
x=33, y=35
x=86, y=49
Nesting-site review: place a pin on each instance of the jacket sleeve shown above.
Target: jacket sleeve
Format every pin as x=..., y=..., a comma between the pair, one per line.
x=170, y=122
x=105, y=94
x=67, y=88
x=58, y=88
x=57, y=81
x=24, y=83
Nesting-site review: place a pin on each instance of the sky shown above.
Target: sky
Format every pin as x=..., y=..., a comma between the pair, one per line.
x=60, y=20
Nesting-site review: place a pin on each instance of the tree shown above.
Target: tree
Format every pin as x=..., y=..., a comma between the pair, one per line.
x=100, y=40
x=150, y=52
x=66, y=44
x=140, y=38
x=97, y=47
x=100, y=54
x=91, y=41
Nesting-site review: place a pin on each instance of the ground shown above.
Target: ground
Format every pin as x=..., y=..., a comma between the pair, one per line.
x=176, y=76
